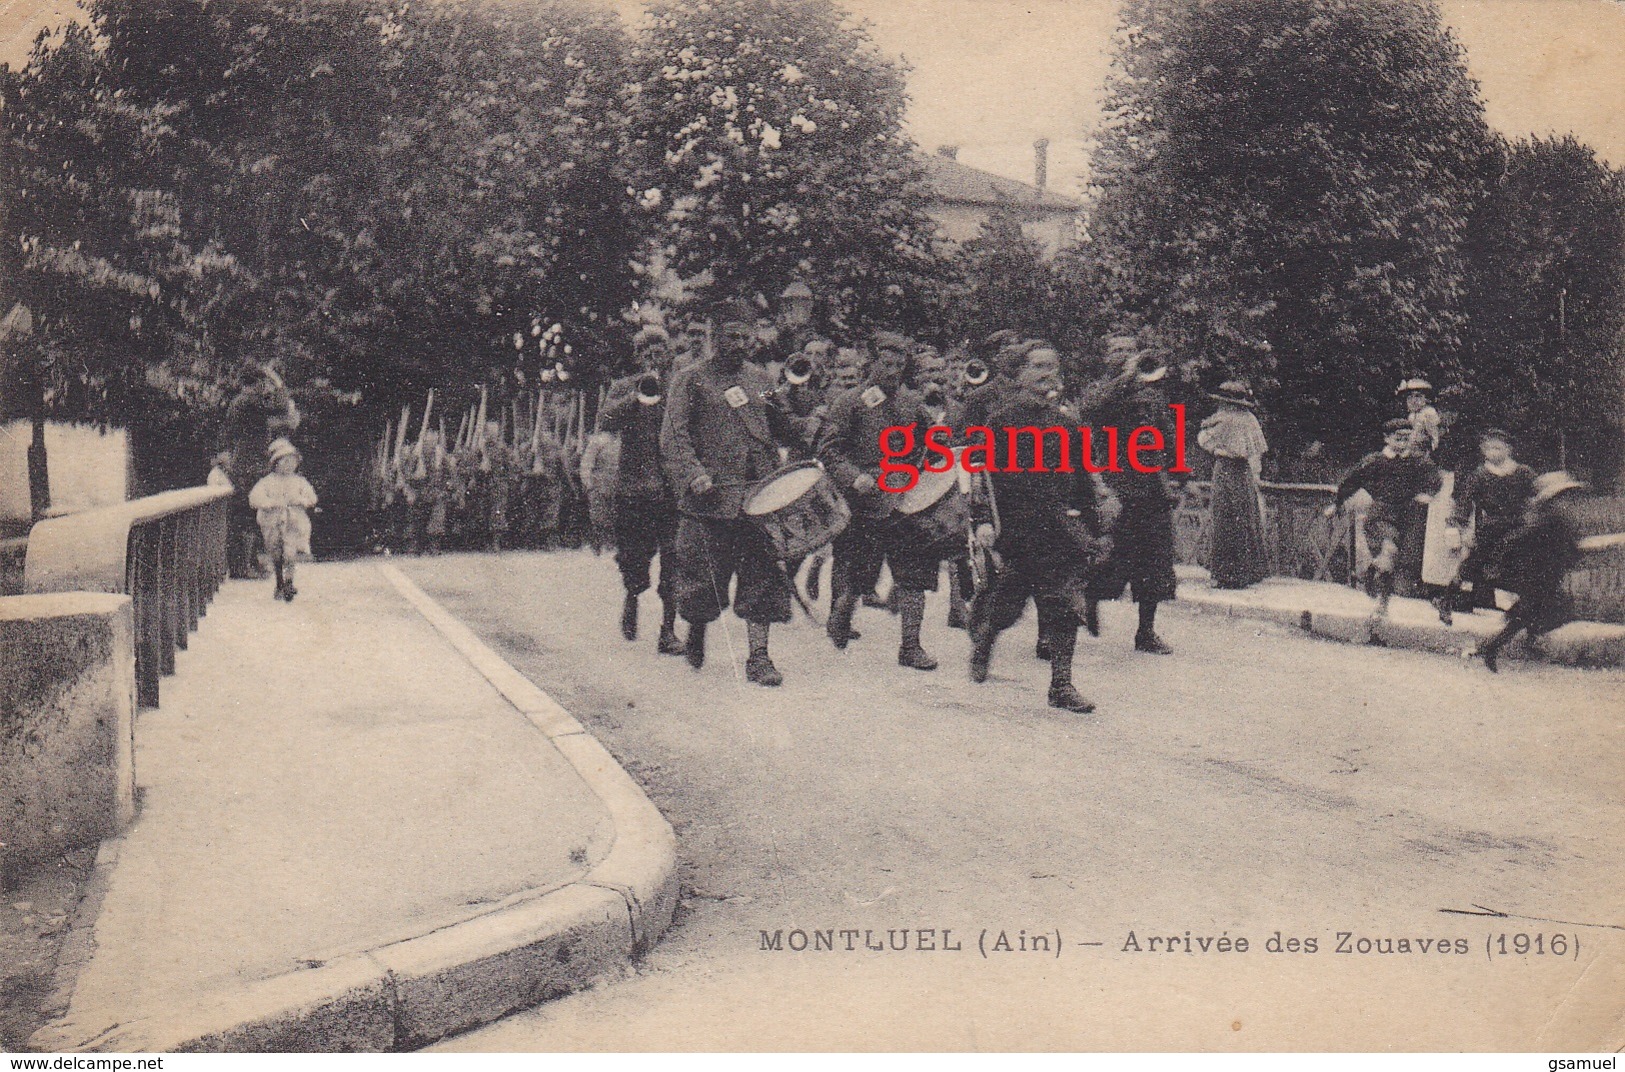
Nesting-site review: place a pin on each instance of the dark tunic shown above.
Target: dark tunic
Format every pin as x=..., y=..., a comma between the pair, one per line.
x=1393, y=481
x=1494, y=504
x=1142, y=555
x=1049, y=528
x=1535, y=557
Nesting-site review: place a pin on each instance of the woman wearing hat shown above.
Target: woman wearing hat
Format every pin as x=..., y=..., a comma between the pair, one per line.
x=1534, y=560
x=280, y=500
x=1233, y=436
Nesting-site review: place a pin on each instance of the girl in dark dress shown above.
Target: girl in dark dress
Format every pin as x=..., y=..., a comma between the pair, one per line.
x=1491, y=503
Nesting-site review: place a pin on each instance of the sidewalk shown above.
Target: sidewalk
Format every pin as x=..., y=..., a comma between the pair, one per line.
x=1342, y=613
x=359, y=829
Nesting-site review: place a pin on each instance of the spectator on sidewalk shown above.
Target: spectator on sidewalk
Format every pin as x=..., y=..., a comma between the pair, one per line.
x=220, y=471
x=1534, y=559
x=280, y=500
x=1236, y=441
x=1489, y=506
x=1397, y=480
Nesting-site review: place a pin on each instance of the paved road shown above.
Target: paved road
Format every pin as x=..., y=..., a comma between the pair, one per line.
x=1257, y=782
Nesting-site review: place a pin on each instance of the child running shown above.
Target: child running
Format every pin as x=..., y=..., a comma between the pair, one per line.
x=281, y=498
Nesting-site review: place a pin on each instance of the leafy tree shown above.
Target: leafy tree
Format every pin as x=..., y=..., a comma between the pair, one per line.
x=768, y=146
x=1546, y=305
x=1004, y=282
x=91, y=246
x=1282, y=192
x=366, y=197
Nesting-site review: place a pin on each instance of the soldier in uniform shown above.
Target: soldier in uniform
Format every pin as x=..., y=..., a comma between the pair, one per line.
x=1142, y=546
x=720, y=436
x=542, y=487
x=1048, y=529
x=429, y=491
x=497, y=475
x=645, y=510
x=692, y=342
x=848, y=445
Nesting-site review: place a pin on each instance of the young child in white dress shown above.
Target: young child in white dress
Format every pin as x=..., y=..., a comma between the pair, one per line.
x=281, y=499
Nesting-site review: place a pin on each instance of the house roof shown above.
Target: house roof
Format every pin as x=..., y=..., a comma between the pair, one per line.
x=962, y=184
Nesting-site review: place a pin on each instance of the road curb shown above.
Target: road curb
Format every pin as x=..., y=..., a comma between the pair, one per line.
x=405, y=994
x=1590, y=644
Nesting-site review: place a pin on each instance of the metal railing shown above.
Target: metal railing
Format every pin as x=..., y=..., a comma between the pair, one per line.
x=167, y=552
x=1299, y=539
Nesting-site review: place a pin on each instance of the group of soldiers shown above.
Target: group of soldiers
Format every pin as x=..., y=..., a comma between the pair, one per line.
x=700, y=437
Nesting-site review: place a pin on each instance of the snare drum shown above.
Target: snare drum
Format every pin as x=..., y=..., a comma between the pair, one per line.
x=798, y=509
x=937, y=513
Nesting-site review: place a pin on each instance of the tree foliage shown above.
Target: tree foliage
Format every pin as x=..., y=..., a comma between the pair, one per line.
x=367, y=196
x=768, y=146
x=1282, y=192
x=1547, y=305
x=91, y=242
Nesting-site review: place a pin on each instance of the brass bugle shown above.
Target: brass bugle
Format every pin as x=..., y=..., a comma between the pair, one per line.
x=649, y=389
x=799, y=370
x=976, y=372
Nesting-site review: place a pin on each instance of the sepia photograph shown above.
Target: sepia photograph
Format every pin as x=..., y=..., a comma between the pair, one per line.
x=812, y=526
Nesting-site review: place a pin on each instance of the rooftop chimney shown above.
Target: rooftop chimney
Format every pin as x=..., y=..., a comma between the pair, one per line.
x=1041, y=163
x=948, y=152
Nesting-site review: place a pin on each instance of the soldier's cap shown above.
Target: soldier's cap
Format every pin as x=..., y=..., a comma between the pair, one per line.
x=1398, y=424
x=891, y=340
x=797, y=291
x=998, y=341
x=1013, y=358
x=737, y=311
x=1496, y=433
x=1414, y=383
x=648, y=335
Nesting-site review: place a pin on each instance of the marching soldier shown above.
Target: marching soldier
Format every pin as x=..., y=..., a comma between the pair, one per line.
x=720, y=436
x=542, y=488
x=429, y=492
x=645, y=510
x=848, y=445
x=1142, y=547
x=1048, y=530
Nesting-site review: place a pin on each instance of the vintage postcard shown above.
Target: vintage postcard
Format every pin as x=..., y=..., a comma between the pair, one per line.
x=812, y=525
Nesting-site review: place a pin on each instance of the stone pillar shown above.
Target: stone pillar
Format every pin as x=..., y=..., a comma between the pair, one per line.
x=67, y=722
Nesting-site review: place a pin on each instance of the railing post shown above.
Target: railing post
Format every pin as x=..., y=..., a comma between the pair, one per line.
x=165, y=540
x=146, y=595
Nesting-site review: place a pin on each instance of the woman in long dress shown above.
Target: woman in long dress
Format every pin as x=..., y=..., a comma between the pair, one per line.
x=1236, y=441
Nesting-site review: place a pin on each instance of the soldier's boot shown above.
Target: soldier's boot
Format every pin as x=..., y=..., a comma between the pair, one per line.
x=694, y=647
x=958, y=608
x=1146, y=638
x=629, y=616
x=911, y=605
x=839, y=627
x=759, y=667
x=1091, y=616
x=1041, y=650
x=982, y=636
x=1062, y=693
x=281, y=585
x=669, y=644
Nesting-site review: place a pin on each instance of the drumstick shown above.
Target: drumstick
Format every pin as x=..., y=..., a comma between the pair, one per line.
x=801, y=600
